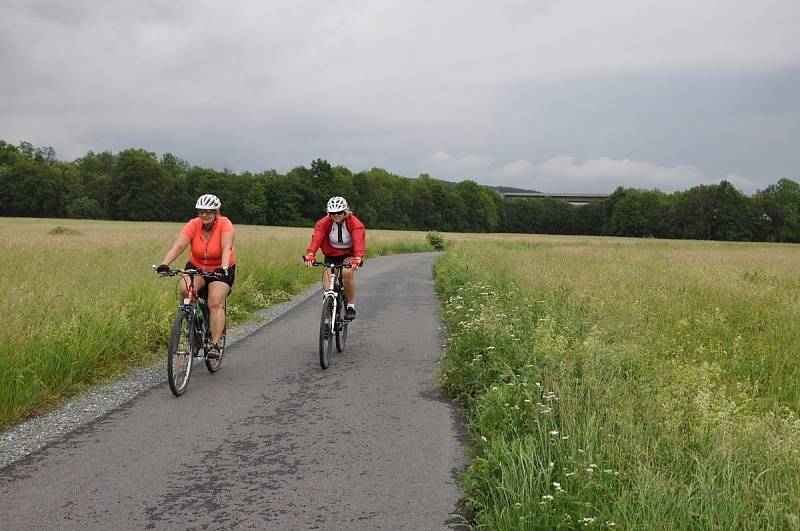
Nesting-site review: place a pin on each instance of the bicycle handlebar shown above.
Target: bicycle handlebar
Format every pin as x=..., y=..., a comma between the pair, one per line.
x=323, y=264
x=191, y=272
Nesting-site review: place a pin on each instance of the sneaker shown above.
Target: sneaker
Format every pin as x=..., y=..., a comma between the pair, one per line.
x=213, y=353
x=350, y=313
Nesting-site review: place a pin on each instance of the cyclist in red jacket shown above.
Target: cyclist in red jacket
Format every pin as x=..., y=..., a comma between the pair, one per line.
x=342, y=238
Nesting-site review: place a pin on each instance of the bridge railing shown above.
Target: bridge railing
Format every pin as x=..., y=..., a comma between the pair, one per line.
x=571, y=198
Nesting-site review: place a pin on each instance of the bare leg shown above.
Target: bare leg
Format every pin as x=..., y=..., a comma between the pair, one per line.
x=217, y=293
x=199, y=283
x=349, y=283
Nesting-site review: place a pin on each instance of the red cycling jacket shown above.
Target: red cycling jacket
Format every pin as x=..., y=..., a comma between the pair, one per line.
x=319, y=239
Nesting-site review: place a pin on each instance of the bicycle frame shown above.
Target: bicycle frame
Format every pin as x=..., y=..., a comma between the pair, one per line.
x=335, y=294
x=193, y=323
x=333, y=326
x=336, y=290
x=195, y=303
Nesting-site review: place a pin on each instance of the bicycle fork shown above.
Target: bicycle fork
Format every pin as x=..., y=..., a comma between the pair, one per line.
x=195, y=326
x=335, y=303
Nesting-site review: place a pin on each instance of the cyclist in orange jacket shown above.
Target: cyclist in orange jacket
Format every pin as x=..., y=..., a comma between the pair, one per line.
x=210, y=235
x=342, y=238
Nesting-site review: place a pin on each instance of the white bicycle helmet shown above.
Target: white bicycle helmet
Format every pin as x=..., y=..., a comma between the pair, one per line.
x=336, y=204
x=208, y=202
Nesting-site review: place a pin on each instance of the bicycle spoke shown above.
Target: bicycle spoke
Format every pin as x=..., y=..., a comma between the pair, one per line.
x=325, y=333
x=179, y=354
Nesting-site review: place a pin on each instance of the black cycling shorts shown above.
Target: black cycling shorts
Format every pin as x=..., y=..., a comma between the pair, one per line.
x=227, y=280
x=337, y=260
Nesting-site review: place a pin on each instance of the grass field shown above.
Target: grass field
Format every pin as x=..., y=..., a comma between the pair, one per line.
x=635, y=384
x=83, y=304
x=618, y=383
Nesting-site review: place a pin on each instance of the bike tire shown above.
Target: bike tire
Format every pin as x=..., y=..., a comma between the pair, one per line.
x=325, y=333
x=341, y=334
x=180, y=352
x=214, y=365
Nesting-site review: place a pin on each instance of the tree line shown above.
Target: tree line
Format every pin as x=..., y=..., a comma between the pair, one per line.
x=135, y=184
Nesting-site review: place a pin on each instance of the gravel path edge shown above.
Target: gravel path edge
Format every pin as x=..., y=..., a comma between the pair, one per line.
x=33, y=434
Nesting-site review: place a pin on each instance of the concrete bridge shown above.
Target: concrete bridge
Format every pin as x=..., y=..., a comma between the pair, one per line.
x=570, y=198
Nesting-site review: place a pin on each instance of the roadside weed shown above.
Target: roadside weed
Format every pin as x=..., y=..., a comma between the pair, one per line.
x=626, y=383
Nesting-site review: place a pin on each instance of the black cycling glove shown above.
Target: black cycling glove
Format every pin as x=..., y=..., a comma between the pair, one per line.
x=163, y=268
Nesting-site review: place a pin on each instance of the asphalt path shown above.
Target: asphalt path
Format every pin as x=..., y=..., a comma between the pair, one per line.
x=272, y=441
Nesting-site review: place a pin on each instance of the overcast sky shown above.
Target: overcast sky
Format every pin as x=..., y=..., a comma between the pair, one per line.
x=552, y=95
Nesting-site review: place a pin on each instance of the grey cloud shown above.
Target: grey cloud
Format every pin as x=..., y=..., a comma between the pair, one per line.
x=252, y=85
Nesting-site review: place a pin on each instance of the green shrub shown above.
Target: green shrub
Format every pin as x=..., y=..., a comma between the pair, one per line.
x=63, y=230
x=435, y=240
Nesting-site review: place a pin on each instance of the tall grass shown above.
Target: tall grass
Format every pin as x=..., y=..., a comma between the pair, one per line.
x=626, y=383
x=83, y=304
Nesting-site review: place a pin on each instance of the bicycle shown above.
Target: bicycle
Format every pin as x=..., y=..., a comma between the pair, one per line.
x=332, y=324
x=191, y=334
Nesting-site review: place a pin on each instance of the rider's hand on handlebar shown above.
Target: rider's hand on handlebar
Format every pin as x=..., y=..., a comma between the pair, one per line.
x=221, y=272
x=309, y=260
x=162, y=270
x=355, y=263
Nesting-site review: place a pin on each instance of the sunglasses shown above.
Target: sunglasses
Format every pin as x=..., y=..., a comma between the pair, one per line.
x=206, y=212
x=336, y=213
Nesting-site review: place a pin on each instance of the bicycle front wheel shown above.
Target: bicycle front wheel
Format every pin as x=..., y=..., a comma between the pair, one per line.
x=179, y=353
x=326, y=333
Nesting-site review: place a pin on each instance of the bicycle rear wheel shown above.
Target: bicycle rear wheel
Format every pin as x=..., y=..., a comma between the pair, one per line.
x=341, y=332
x=326, y=333
x=213, y=365
x=179, y=353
